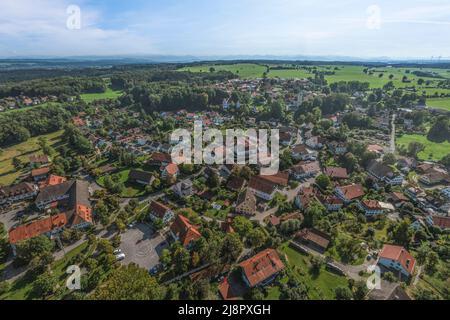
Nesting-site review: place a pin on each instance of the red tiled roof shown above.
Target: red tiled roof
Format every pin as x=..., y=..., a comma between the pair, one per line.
x=281, y=178
x=161, y=157
x=82, y=214
x=226, y=290
x=36, y=228
x=185, y=230
x=261, y=266
x=352, y=191
x=172, y=169
x=336, y=172
x=399, y=254
x=441, y=222
x=371, y=204
x=262, y=185
x=39, y=172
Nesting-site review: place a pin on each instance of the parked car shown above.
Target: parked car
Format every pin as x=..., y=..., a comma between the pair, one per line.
x=117, y=251
x=120, y=256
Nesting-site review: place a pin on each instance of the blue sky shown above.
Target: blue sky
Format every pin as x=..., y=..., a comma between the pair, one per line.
x=397, y=29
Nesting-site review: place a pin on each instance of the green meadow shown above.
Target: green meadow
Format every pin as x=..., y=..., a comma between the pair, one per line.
x=433, y=151
x=108, y=94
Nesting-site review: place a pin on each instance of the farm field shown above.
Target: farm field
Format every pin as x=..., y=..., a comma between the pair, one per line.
x=342, y=73
x=108, y=94
x=22, y=151
x=439, y=103
x=433, y=151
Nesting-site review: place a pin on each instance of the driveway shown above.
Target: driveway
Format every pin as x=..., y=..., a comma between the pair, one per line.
x=142, y=246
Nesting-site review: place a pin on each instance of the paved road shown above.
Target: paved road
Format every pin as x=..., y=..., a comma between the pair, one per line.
x=392, y=143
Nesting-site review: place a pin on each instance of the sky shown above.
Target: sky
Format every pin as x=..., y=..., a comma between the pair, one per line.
x=356, y=28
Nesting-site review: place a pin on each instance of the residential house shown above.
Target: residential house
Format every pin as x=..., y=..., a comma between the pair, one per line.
x=140, y=177
x=183, y=189
x=160, y=211
x=38, y=161
x=285, y=138
x=304, y=197
x=439, y=221
x=434, y=177
x=371, y=207
x=397, y=259
x=39, y=174
x=315, y=142
x=384, y=173
x=160, y=159
x=170, y=171
x=398, y=199
x=305, y=170
x=331, y=202
x=337, y=148
x=17, y=192
x=262, y=268
x=300, y=152
x=350, y=193
x=375, y=148
x=314, y=239
x=336, y=173
x=446, y=193
x=184, y=231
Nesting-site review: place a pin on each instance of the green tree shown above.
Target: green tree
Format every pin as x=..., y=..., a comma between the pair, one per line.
x=343, y=293
x=323, y=181
x=231, y=248
x=129, y=283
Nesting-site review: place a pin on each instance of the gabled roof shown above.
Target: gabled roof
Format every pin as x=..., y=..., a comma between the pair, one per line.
x=158, y=209
x=372, y=204
x=138, y=175
x=262, y=185
x=336, y=172
x=261, y=266
x=281, y=178
x=36, y=228
x=315, y=236
x=17, y=189
x=246, y=202
x=39, y=158
x=352, y=191
x=39, y=172
x=161, y=157
x=306, y=167
x=235, y=183
x=54, y=180
x=185, y=230
x=399, y=254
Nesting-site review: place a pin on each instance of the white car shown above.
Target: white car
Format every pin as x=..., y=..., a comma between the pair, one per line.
x=120, y=256
x=117, y=251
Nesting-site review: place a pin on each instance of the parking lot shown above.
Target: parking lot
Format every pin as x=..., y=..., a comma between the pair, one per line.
x=142, y=246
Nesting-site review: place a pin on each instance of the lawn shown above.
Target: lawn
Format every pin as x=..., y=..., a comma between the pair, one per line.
x=43, y=105
x=22, y=288
x=8, y=173
x=108, y=94
x=321, y=287
x=439, y=103
x=131, y=190
x=433, y=151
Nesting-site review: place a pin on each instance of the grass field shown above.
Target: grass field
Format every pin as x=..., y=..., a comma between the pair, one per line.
x=23, y=150
x=44, y=105
x=108, y=94
x=321, y=286
x=342, y=73
x=439, y=103
x=131, y=190
x=433, y=151
x=244, y=70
